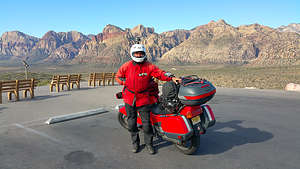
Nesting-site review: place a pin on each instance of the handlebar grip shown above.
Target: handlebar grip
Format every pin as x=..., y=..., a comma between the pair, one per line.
x=119, y=95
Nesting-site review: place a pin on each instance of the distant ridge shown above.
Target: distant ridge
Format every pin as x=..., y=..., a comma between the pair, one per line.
x=293, y=27
x=215, y=42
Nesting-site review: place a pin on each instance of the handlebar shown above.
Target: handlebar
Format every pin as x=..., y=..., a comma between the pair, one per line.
x=119, y=95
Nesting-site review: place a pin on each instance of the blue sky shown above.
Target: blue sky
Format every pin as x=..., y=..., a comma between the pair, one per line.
x=36, y=17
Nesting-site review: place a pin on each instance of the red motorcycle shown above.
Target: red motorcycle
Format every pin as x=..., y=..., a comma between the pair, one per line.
x=191, y=119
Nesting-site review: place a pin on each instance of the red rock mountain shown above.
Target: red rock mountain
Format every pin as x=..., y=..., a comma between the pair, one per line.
x=215, y=42
x=113, y=44
x=15, y=45
x=219, y=42
x=52, y=47
x=61, y=47
x=293, y=27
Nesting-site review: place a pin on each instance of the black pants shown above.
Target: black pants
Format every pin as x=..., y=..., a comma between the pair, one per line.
x=132, y=125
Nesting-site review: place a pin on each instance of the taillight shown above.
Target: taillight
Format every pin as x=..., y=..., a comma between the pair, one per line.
x=189, y=115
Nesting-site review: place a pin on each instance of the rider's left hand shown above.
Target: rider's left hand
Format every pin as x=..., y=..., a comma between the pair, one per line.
x=176, y=80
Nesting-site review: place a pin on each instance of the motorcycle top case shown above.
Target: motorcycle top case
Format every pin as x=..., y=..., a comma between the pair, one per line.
x=195, y=91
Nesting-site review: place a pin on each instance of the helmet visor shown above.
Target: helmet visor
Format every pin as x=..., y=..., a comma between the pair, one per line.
x=139, y=54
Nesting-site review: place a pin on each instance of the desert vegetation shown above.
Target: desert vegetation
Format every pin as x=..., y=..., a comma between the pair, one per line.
x=232, y=76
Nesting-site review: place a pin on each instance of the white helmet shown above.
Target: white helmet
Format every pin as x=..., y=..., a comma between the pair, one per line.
x=137, y=48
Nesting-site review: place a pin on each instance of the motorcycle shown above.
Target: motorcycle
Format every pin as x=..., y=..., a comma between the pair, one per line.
x=183, y=127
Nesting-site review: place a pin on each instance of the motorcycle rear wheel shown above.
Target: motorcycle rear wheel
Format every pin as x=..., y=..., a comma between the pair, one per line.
x=189, y=146
x=123, y=120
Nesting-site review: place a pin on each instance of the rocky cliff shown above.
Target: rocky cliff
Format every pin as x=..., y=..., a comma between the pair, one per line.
x=219, y=42
x=61, y=47
x=15, y=45
x=293, y=27
x=52, y=47
x=215, y=42
x=113, y=44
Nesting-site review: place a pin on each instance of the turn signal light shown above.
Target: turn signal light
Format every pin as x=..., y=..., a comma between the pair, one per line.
x=189, y=115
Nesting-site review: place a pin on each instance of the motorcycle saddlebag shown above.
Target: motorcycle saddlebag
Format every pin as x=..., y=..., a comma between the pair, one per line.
x=207, y=117
x=174, y=126
x=195, y=91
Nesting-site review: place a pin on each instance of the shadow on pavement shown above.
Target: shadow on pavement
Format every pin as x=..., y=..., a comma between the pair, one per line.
x=223, y=137
x=36, y=98
x=2, y=108
x=218, y=140
x=72, y=90
x=86, y=88
x=44, y=97
x=160, y=143
x=82, y=88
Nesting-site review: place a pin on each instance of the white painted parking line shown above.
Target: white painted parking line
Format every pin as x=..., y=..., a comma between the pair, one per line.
x=38, y=133
x=77, y=115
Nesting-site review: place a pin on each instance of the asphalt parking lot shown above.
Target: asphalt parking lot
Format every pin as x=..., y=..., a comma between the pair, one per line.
x=254, y=129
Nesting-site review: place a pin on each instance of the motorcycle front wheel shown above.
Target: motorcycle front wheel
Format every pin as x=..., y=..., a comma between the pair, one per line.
x=190, y=146
x=123, y=120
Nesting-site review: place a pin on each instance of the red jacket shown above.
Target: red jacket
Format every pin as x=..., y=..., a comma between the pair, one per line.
x=137, y=81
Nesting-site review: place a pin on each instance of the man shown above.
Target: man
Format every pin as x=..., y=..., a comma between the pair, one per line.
x=136, y=77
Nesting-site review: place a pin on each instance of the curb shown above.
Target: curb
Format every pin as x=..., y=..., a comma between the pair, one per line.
x=67, y=117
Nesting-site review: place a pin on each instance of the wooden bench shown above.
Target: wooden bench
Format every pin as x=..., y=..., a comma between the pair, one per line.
x=110, y=77
x=14, y=86
x=59, y=81
x=75, y=79
x=96, y=77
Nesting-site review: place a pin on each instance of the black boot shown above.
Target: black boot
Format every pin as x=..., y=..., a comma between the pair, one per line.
x=135, y=148
x=150, y=149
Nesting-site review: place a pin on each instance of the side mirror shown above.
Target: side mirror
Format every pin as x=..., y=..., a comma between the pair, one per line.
x=119, y=95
